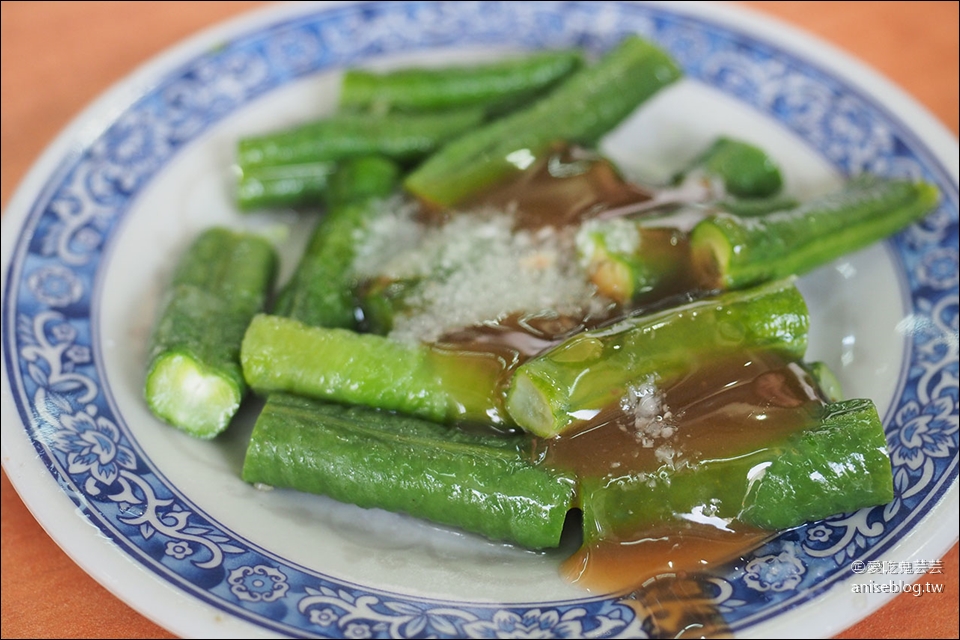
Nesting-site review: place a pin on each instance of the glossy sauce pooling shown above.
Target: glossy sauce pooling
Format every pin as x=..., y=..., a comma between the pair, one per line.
x=723, y=408
x=500, y=347
x=726, y=409
x=666, y=576
x=560, y=190
x=563, y=188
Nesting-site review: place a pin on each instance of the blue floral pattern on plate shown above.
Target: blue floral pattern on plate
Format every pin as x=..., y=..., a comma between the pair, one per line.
x=61, y=396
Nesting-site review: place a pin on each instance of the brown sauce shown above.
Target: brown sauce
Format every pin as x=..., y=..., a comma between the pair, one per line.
x=678, y=604
x=516, y=338
x=729, y=407
x=563, y=188
x=726, y=408
x=683, y=549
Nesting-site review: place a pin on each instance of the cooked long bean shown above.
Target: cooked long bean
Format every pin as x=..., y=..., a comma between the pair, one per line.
x=194, y=380
x=496, y=85
x=580, y=110
x=590, y=371
x=486, y=484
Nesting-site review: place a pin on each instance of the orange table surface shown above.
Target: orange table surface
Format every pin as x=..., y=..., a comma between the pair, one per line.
x=58, y=56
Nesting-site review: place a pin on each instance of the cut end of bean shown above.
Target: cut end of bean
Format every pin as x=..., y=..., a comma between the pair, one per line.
x=185, y=394
x=530, y=407
x=711, y=251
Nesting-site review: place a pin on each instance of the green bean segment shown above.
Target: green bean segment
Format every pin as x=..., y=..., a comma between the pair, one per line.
x=281, y=354
x=401, y=137
x=590, y=371
x=580, y=110
x=735, y=252
x=194, y=380
x=320, y=292
x=284, y=186
x=293, y=167
x=486, y=484
x=495, y=86
x=838, y=465
x=746, y=170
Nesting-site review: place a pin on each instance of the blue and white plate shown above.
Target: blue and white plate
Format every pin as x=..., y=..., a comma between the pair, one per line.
x=164, y=520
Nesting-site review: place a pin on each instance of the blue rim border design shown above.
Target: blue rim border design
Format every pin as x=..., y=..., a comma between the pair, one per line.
x=50, y=308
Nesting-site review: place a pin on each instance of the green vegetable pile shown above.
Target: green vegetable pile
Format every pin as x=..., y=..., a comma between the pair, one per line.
x=458, y=437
